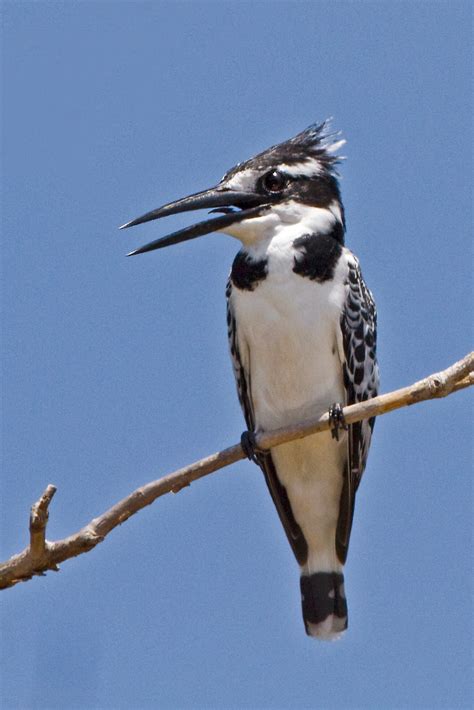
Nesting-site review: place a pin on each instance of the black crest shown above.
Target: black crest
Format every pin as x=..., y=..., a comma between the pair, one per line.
x=316, y=142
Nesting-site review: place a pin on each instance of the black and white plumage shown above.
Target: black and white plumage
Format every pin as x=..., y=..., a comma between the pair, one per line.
x=302, y=335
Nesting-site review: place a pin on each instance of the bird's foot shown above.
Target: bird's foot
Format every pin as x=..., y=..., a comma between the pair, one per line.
x=336, y=418
x=250, y=447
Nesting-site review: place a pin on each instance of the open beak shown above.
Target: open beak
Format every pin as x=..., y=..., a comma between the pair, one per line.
x=219, y=199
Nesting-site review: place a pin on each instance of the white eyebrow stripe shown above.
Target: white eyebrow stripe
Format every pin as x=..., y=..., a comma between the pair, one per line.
x=308, y=168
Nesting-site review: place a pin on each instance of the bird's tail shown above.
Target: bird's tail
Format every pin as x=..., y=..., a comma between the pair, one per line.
x=324, y=604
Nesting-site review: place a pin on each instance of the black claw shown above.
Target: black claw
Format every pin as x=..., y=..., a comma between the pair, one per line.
x=336, y=417
x=249, y=446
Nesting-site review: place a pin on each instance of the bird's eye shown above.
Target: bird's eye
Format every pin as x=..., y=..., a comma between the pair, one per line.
x=274, y=182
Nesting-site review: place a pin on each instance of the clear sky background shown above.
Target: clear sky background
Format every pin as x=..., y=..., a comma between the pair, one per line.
x=115, y=370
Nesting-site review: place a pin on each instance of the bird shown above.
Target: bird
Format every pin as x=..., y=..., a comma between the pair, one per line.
x=302, y=336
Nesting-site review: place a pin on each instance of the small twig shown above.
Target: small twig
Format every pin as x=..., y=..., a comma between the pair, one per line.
x=42, y=555
x=38, y=520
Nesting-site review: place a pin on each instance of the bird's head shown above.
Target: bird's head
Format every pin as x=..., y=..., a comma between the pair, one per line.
x=292, y=182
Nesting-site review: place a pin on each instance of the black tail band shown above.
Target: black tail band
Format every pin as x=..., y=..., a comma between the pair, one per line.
x=322, y=594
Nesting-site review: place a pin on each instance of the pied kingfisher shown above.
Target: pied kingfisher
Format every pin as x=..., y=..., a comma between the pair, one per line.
x=302, y=331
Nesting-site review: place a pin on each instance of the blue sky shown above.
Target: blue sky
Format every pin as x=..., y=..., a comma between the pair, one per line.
x=115, y=370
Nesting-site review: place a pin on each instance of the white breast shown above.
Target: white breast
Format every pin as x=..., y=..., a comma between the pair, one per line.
x=288, y=329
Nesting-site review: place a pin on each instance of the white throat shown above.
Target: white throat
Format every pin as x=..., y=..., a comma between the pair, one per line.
x=284, y=223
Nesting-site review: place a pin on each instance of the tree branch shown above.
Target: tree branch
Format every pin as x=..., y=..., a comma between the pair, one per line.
x=42, y=555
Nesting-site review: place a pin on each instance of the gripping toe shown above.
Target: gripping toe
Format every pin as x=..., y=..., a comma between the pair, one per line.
x=336, y=418
x=249, y=446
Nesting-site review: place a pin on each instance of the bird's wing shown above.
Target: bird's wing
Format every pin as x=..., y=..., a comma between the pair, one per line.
x=241, y=363
x=358, y=331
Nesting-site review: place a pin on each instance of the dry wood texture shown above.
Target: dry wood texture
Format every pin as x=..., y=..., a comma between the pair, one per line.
x=41, y=555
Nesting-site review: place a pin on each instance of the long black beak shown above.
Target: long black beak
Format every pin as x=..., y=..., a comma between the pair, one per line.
x=250, y=206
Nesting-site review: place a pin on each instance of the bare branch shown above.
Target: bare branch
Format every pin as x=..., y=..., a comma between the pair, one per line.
x=42, y=555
